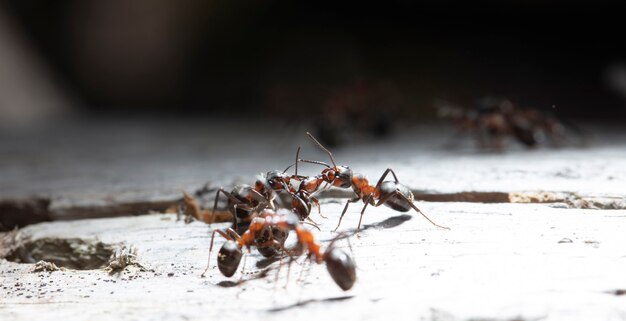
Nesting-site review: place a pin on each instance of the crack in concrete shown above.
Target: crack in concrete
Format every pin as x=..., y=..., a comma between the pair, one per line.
x=22, y=212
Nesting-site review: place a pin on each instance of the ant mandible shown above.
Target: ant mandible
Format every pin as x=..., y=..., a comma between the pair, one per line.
x=389, y=193
x=339, y=264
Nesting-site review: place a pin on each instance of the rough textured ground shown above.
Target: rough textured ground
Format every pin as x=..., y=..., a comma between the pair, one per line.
x=500, y=261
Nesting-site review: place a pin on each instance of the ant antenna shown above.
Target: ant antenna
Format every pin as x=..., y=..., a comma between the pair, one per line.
x=297, y=157
x=323, y=148
x=313, y=162
x=296, y=163
x=288, y=167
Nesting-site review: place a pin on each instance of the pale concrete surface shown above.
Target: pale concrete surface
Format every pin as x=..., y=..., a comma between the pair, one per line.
x=498, y=262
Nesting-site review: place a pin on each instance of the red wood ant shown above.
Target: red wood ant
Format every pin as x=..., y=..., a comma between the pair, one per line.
x=242, y=214
x=389, y=193
x=495, y=119
x=245, y=199
x=339, y=264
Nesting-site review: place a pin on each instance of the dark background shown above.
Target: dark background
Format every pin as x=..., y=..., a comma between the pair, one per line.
x=296, y=60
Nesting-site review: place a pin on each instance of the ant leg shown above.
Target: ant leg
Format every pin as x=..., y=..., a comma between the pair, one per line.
x=280, y=265
x=416, y=209
x=235, y=236
x=235, y=222
x=299, y=279
x=319, y=208
x=243, y=268
x=258, y=196
x=353, y=200
x=291, y=260
x=380, y=181
x=312, y=223
x=226, y=236
x=367, y=202
x=217, y=195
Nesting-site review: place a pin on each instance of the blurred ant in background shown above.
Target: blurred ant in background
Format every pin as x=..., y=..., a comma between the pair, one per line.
x=339, y=264
x=496, y=119
x=392, y=194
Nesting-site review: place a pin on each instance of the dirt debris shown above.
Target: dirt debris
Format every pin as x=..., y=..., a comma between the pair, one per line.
x=122, y=258
x=43, y=266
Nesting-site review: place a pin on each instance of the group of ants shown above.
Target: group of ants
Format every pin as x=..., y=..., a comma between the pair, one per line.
x=257, y=222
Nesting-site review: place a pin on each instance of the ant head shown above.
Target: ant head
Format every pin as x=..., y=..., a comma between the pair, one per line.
x=277, y=180
x=338, y=176
x=341, y=268
x=228, y=258
x=270, y=234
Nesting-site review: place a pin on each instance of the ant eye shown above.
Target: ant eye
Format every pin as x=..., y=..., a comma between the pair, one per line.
x=271, y=182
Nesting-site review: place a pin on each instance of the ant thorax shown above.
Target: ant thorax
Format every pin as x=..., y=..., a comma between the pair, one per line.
x=361, y=186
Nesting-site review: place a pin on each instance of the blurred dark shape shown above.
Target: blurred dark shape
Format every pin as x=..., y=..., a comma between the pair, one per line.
x=297, y=61
x=360, y=108
x=495, y=119
x=28, y=91
x=616, y=78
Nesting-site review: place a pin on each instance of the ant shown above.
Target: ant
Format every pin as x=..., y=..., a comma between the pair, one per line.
x=302, y=200
x=245, y=199
x=495, y=119
x=339, y=264
x=242, y=214
x=389, y=193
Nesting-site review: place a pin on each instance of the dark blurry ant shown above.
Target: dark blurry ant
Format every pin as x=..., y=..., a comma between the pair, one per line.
x=495, y=119
x=389, y=193
x=340, y=265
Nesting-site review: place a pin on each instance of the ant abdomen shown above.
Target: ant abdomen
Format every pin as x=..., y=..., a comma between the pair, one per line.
x=228, y=258
x=341, y=268
x=396, y=202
